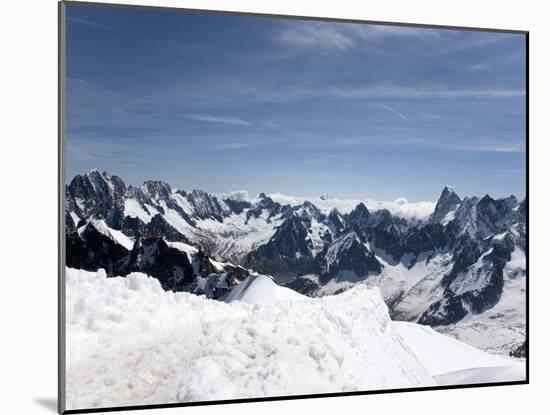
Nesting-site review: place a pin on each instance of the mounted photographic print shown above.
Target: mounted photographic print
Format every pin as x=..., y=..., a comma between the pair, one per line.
x=264, y=207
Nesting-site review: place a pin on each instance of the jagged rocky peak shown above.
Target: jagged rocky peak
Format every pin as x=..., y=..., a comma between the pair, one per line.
x=156, y=189
x=348, y=258
x=307, y=210
x=446, y=205
x=500, y=207
x=336, y=219
x=358, y=214
x=496, y=215
x=237, y=206
x=265, y=203
x=522, y=210
x=96, y=184
x=96, y=194
x=465, y=217
x=207, y=205
x=382, y=216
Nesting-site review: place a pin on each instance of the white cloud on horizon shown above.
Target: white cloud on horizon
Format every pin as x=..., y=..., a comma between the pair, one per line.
x=399, y=207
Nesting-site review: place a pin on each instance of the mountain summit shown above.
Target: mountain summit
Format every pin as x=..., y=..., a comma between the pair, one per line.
x=446, y=205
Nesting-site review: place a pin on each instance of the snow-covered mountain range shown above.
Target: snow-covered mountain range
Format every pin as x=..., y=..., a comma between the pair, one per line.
x=458, y=265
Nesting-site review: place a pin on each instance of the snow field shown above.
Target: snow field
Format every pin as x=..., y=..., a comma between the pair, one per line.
x=131, y=343
x=441, y=354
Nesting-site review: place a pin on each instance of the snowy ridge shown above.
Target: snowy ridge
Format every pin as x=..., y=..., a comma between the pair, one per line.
x=113, y=234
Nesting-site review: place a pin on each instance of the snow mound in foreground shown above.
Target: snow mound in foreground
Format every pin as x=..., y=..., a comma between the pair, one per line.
x=131, y=343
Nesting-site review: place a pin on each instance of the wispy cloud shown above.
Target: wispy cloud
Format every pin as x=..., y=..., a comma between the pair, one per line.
x=341, y=37
x=230, y=145
x=385, y=31
x=408, y=92
x=232, y=92
x=91, y=23
x=365, y=140
x=316, y=35
x=495, y=146
x=217, y=119
x=430, y=115
x=390, y=109
x=102, y=26
x=464, y=144
x=479, y=67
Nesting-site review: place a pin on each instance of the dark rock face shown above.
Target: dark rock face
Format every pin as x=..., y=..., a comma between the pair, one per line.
x=337, y=221
x=427, y=238
x=159, y=227
x=304, y=285
x=289, y=241
x=156, y=189
x=206, y=206
x=474, y=284
x=97, y=194
x=520, y=351
x=360, y=215
x=448, y=310
x=170, y=266
x=175, y=270
x=92, y=250
x=348, y=259
x=288, y=252
x=446, y=204
x=237, y=206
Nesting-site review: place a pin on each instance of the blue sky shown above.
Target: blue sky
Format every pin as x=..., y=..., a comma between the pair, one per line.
x=221, y=103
